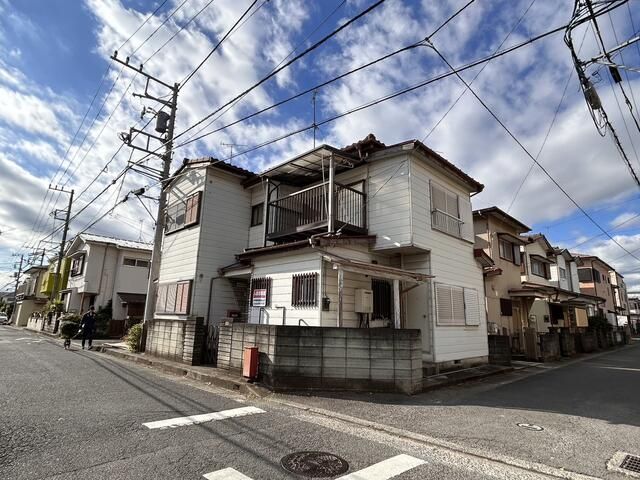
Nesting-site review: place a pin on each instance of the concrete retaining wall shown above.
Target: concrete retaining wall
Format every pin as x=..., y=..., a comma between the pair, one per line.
x=550, y=347
x=586, y=342
x=499, y=349
x=567, y=344
x=178, y=340
x=327, y=358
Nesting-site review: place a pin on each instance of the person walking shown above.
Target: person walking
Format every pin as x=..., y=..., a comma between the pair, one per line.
x=88, y=325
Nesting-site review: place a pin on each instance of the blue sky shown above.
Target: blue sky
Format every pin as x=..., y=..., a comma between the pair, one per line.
x=54, y=53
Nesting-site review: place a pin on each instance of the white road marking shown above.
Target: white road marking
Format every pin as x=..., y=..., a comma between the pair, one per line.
x=226, y=474
x=205, y=417
x=386, y=469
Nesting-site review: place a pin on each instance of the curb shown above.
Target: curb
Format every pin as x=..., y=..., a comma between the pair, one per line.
x=453, y=381
x=242, y=387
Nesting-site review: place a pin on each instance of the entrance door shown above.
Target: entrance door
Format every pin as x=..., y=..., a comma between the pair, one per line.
x=517, y=335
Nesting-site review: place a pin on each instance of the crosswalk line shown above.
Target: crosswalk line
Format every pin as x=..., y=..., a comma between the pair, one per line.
x=205, y=417
x=386, y=469
x=226, y=474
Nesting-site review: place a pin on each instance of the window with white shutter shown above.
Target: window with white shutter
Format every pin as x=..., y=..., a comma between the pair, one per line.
x=449, y=304
x=457, y=306
x=445, y=211
x=471, y=307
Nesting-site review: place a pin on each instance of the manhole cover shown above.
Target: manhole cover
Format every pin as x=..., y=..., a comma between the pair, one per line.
x=314, y=464
x=530, y=426
x=631, y=463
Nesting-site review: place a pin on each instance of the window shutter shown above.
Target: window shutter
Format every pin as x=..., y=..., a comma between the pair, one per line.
x=466, y=216
x=444, y=309
x=161, y=299
x=172, y=291
x=458, y=300
x=452, y=205
x=471, y=307
x=438, y=198
x=182, y=298
x=193, y=207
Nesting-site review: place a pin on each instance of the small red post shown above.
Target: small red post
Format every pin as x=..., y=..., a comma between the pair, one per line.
x=250, y=362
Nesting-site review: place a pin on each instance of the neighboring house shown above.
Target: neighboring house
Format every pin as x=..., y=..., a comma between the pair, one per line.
x=595, y=279
x=104, y=269
x=29, y=297
x=48, y=281
x=7, y=297
x=368, y=235
x=634, y=313
x=620, y=298
x=497, y=236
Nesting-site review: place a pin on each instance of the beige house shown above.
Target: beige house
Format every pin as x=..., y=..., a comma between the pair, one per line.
x=29, y=297
x=598, y=278
x=497, y=235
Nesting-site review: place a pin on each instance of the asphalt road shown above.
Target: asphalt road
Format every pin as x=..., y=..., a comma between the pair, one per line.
x=80, y=414
x=589, y=409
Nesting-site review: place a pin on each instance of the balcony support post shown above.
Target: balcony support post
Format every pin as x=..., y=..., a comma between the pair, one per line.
x=265, y=211
x=332, y=208
x=396, y=303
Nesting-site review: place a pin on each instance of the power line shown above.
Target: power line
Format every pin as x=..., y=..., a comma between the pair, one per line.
x=143, y=24
x=159, y=27
x=546, y=172
x=452, y=106
x=213, y=50
x=546, y=137
x=287, y=64
x=213, y=120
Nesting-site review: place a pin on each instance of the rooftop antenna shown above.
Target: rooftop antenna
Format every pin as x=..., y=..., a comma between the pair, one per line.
x=231, y=145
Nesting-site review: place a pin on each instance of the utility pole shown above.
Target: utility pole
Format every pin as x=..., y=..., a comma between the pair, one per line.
x=165, y=124
x=65, y=230
x=15, y=290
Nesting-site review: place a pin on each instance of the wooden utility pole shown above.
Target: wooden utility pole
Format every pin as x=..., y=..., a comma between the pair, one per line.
x=165, y=124
x=15, y=290
x=65, y=230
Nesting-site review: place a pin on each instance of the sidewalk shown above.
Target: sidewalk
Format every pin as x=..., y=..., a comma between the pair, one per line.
x=205, y=374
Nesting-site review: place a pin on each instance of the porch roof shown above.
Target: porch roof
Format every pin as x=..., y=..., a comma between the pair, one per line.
x=542, y=259
x=381, y=271
x=512, y=238
x=132, y=297
x=307, y=168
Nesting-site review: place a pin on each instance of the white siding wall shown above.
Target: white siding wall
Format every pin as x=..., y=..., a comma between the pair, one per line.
x=180, y=249
x=535, y=248
x=389, y=202
x=451, y=261
x=575, y=281
x=225, y=220
x=280, y=268
x=419, y=304
x=555, y=273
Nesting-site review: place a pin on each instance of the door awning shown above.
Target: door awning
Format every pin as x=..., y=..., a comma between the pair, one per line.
x=132, y=297
x=374, y=270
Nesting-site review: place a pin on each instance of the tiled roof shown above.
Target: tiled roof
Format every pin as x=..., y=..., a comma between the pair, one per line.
x=90, y=237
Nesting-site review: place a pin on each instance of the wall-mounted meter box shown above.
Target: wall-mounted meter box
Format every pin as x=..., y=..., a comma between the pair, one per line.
x=364, y=300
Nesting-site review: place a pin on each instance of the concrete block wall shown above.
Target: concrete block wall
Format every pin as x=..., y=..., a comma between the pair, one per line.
x=193, y=340
x=293, y=357
x=550, y=347
x=165, y=339
x=500, y=349
x=567, y=344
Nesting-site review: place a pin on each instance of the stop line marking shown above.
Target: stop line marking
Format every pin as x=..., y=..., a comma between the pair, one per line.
x=385, y=470
x=205, y=417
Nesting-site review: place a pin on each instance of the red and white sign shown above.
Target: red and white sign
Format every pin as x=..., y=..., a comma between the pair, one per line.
x=259, y=297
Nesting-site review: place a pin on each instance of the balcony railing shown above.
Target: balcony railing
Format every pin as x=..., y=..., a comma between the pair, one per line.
x=446, y=223
x=306, y=212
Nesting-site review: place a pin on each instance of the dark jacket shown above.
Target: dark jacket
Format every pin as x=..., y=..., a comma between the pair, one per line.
x=89, y=320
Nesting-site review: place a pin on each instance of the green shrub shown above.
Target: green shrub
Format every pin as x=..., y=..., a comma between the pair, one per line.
x=103, y=316
x=134, y=335
x=70, y=317
x=68, y=329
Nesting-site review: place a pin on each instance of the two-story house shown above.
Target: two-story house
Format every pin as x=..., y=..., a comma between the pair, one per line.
x=634, y=314
x=364, y=236
x=29, y=297
x=105, y=269
x=498, y=235
x=595, y=279
x=620, y=298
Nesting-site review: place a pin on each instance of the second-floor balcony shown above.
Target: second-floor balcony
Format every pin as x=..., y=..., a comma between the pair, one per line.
x=306, y=212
